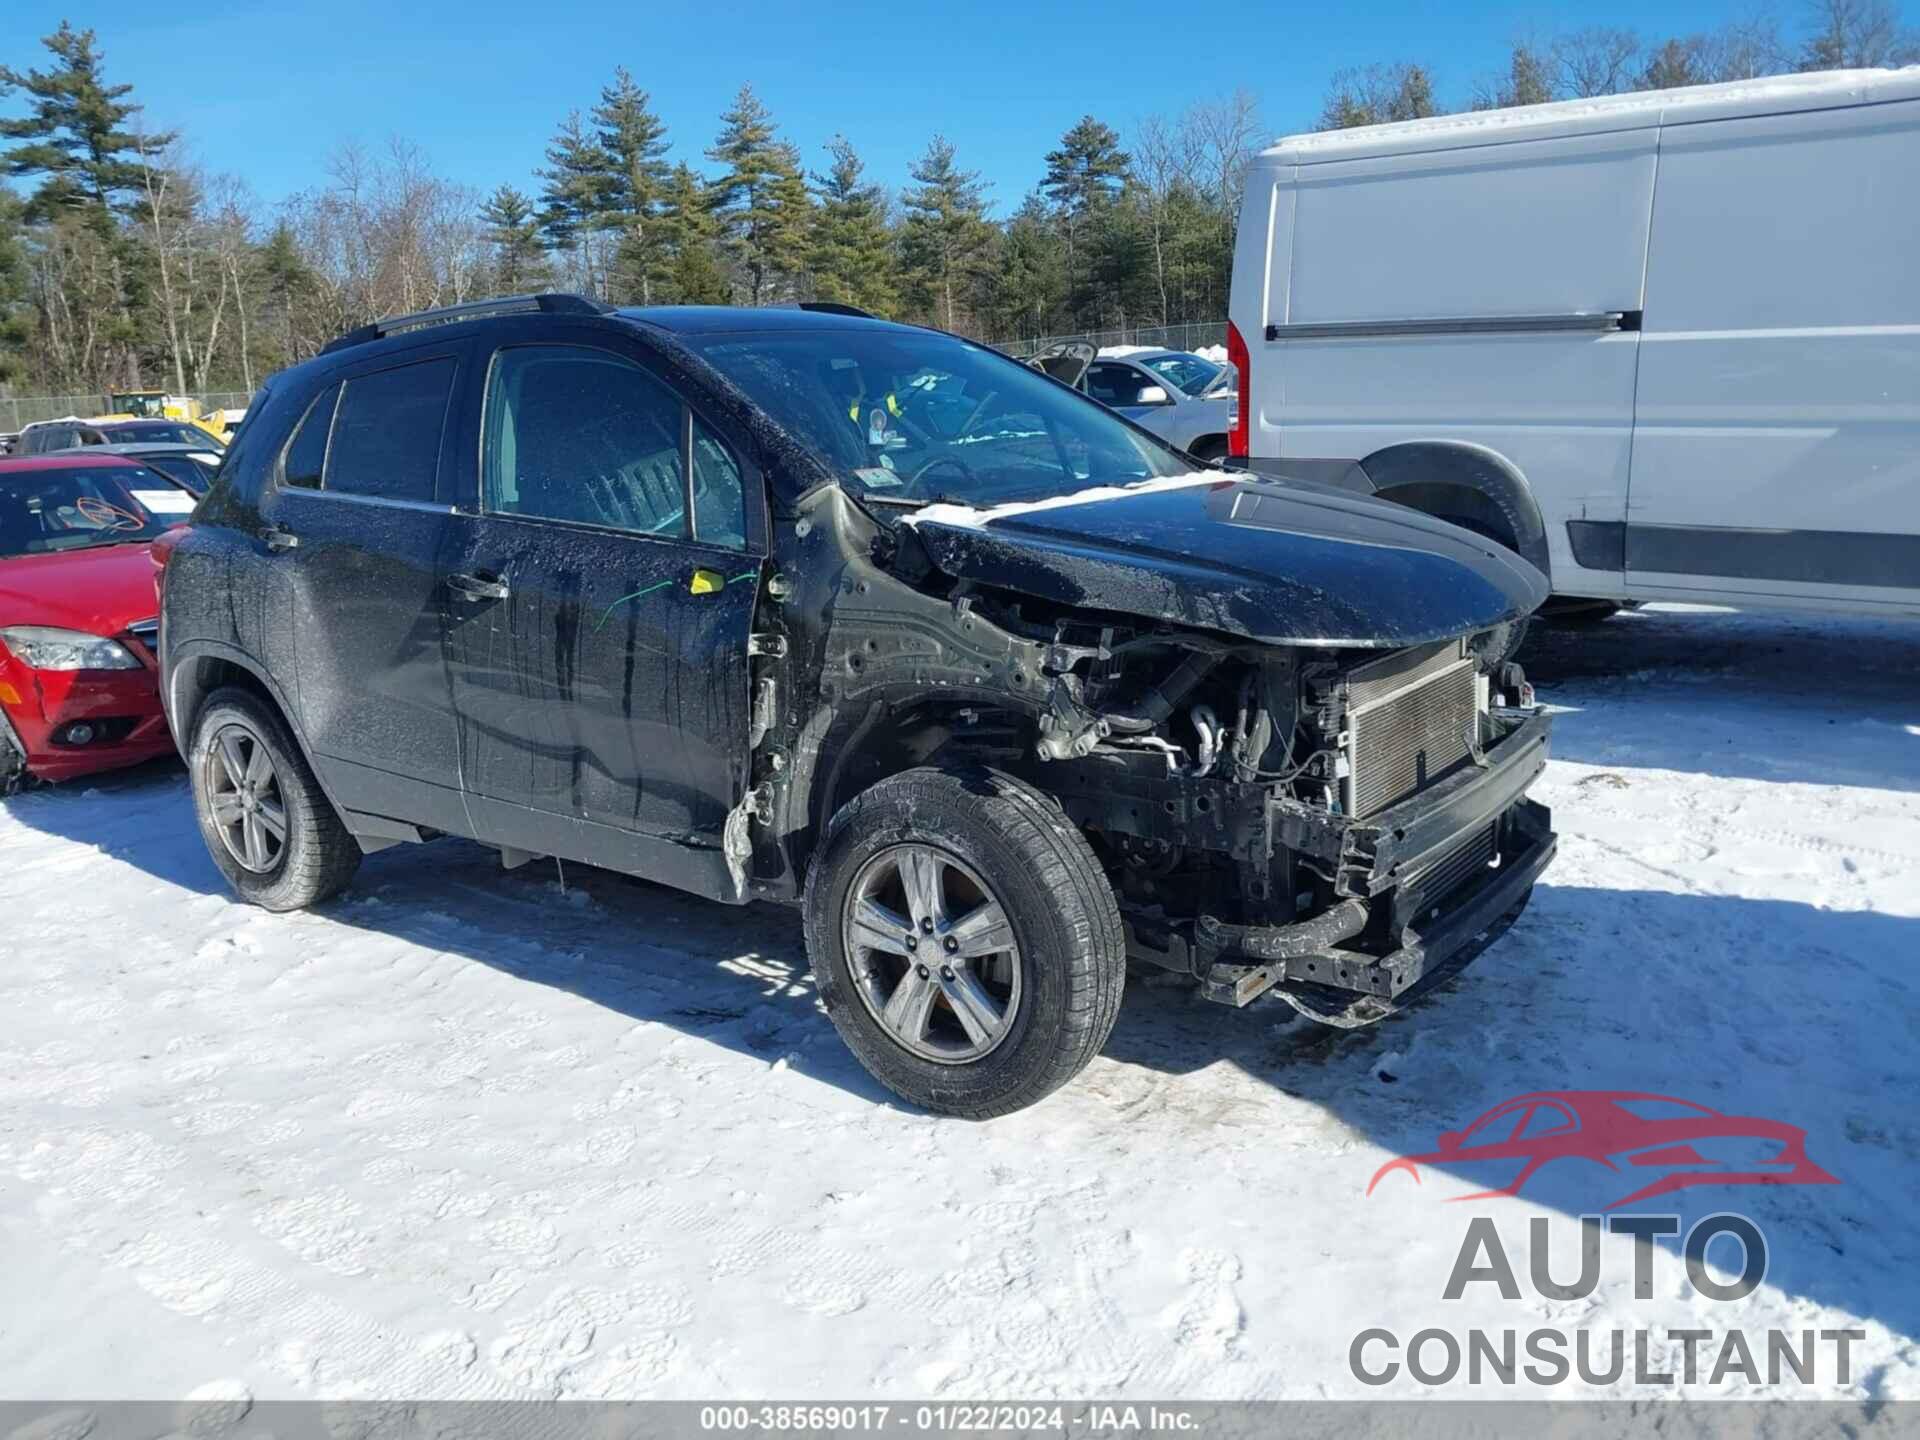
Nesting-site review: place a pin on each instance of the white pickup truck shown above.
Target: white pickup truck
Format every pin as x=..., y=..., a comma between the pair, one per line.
x=1665, y=345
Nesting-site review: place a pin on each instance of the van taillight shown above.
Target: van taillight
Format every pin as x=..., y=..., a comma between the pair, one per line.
x=1242, y=431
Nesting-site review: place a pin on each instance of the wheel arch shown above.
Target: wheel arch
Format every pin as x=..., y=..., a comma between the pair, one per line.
x=1459, y=478
x=851, y=747
x=198, y=669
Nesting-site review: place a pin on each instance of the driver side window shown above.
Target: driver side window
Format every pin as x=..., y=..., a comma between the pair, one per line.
x=585, y=436
x=1116, y=384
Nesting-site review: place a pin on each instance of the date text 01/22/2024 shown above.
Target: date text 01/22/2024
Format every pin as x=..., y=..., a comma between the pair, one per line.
x=994, y=1418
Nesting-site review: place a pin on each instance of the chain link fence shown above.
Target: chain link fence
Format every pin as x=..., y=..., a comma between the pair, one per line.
x=1195, y=335
x=18, y=411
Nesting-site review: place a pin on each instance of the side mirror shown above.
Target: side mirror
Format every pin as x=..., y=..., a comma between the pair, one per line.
x=1153, y=395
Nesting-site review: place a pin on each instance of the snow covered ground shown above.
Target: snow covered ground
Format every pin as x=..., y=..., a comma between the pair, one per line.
x=469, y=1133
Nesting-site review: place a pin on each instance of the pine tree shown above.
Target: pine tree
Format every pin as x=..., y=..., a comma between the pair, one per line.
x=512, y=229
x=851, y=251
x=1082, y=176
x=1378, y=94
x=1119, y=279
x=689, y=236
x=16, y=326
x=945, y=235
x=1526, y=82
x=1030, y=279
x=634, y=143
x=760, y=197
x=286, y=281
x=576, y=194
x=1676, y=63
x=74, y=133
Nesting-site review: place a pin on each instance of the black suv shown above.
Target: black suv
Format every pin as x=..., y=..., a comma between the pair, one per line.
x=795, y=604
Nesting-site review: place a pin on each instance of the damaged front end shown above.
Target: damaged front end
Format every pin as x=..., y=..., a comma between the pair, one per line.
x=1345, y=829
x=1309, y=792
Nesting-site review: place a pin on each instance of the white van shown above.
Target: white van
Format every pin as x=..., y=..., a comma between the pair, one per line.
x=1666, y=345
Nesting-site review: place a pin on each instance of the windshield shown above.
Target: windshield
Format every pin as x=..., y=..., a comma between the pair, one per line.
x=1189, y=372
x=190, y=471
x=83, y=508
x=906, y=417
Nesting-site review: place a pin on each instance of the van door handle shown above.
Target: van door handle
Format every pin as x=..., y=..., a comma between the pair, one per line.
x=473, y=587
x=280, y=541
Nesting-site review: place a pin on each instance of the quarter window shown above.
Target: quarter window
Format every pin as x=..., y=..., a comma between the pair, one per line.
x=307, y=454
x=386, y=434
x=585, y=436
x=719, y=496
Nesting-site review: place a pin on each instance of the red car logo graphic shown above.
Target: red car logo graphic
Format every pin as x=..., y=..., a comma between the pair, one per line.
x=1690, y=1144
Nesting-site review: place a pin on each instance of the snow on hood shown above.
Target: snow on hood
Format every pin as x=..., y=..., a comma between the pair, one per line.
x=972, y=517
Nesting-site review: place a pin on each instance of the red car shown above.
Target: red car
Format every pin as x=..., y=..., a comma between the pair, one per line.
x=78, y=681
x=1672, y=1144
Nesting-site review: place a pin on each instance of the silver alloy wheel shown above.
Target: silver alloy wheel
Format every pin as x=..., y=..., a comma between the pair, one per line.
x=243, y=794
x=932, y=954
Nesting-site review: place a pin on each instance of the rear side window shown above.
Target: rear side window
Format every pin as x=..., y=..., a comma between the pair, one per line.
x=387, y=432
x=307, y=454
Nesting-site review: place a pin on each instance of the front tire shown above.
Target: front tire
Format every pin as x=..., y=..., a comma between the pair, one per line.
x=964, y=940
x=265, y=820
x=1497, y=646
x=1573, y=610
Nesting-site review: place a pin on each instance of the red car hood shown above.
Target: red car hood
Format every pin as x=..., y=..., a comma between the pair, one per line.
x=100, y=591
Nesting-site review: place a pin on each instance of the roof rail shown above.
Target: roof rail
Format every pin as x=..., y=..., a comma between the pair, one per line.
x=549, y=304
x=834, y=307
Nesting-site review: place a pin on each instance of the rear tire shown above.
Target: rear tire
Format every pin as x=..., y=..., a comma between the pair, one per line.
x=265, y=820
x=1058, y=956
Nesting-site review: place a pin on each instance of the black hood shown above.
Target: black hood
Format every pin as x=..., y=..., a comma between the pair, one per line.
x=1277, y=560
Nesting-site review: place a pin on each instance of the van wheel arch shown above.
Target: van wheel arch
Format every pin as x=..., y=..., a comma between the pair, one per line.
x=1452, y=480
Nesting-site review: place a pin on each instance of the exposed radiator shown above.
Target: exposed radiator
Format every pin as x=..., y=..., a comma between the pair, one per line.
x=1410, y=720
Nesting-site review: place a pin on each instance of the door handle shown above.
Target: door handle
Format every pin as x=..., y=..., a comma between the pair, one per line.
x=474, y=587
x=280, y=541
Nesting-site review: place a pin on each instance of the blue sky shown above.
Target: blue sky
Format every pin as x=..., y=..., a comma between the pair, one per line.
x=266, y=89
